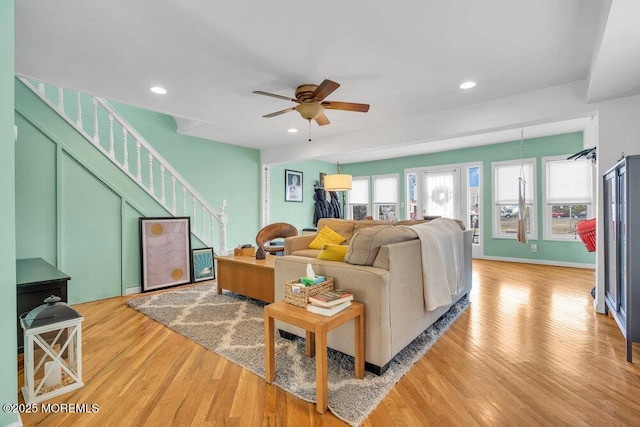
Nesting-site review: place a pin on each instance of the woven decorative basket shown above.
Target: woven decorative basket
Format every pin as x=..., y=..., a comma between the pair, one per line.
x=300, y=298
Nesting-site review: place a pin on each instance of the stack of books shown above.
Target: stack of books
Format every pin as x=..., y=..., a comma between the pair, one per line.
x=329, y=303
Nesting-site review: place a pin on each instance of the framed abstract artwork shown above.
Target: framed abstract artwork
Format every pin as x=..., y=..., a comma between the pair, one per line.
x=202, y=260
x=292, y=186
x=165, y=252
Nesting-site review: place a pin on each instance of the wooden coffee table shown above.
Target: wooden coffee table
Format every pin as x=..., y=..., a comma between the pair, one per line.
x=316, y=327
x=247, y=276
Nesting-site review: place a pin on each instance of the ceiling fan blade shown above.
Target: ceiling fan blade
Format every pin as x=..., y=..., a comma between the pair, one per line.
x=286, y=98
x=347, y=106
x=322, y=119
x=325, y=89
x=277, y=113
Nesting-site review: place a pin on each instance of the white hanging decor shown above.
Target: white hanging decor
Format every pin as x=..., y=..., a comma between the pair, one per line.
x=441, y=195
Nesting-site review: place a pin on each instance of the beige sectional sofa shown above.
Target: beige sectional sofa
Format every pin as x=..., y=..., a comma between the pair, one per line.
x=391, y=289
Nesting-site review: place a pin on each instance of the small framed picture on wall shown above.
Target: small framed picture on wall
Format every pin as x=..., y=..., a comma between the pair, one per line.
x=292, y=186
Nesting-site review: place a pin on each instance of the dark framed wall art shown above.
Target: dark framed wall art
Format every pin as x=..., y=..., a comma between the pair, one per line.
x=165, y=252
x=202, y=260
x=292, y=186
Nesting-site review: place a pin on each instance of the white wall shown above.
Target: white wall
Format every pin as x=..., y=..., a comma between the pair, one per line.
x=619, y=132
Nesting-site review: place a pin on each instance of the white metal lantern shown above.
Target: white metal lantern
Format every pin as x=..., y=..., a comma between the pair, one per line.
x=52, y=350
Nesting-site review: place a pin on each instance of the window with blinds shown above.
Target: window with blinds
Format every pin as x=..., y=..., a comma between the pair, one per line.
x=568, y=196
x=385, y=197
x=358, y=198
x=505, y=197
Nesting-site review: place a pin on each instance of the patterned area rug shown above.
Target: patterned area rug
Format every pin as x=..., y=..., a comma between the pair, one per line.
x=233, y=326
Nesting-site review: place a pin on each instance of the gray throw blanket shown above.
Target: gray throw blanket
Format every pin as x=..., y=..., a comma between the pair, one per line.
x=442, y=247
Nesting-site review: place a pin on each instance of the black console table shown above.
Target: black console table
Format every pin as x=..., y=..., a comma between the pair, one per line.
x=36, y=279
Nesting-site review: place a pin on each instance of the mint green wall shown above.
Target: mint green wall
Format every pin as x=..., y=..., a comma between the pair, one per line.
x=571, y=252
x=8, y=315
x=80, y=212
x=298, y=214
x=35, y=194
x=89, y=232
x=216, y=170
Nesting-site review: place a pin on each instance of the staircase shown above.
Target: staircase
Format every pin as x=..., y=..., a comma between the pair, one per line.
x=115, y=138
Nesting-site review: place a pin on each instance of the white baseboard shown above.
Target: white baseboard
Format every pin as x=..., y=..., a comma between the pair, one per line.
x=133, y=290
x=542, y=262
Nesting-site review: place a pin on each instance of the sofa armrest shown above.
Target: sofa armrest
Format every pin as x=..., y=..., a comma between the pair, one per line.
x=297, y=243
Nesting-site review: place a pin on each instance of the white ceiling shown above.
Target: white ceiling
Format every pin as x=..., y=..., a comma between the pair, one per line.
x=405, y=58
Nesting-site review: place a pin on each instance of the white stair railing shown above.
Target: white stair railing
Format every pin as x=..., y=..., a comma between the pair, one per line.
x=110, y=133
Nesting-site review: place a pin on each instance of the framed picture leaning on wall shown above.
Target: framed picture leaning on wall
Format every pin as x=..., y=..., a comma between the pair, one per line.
x=202, y=260
x=165, y=252
x=292, y=186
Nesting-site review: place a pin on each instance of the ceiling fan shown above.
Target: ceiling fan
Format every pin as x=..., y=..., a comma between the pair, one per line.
x=311, y=103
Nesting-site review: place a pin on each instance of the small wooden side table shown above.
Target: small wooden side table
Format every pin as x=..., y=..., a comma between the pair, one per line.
x=316, y=327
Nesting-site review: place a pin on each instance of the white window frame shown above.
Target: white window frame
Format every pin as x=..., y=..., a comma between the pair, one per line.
x=533, y=212
x=395, y=203
x=349, y=206
x=547, y=231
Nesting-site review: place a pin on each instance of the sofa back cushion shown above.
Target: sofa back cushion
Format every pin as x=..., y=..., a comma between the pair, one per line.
x=366, y=242
x=343, y=227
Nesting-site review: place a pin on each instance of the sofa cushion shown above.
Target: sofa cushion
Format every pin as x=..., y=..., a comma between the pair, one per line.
x=324, y=237
x=333, y=252
x=309, y=253
x=366, y=242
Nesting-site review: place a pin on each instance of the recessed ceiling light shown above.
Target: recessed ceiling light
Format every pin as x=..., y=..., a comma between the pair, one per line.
x=292, y=130
x=467, y=85
x=159, y=90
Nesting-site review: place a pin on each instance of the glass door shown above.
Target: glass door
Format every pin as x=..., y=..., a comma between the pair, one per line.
x=441, y=194
x=622, y=241
x=610, y=241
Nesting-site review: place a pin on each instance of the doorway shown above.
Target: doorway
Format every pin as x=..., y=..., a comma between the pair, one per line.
x=452, y=191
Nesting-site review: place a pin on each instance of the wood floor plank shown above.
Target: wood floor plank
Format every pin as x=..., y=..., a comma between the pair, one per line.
x=529, y=351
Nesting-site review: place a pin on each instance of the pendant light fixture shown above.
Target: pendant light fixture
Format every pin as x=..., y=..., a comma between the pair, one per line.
x=337, y=182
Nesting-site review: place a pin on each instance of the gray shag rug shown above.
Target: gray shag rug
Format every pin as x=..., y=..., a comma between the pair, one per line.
x=233, y=326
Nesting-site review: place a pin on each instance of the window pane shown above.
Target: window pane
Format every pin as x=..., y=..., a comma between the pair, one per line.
x=387, y=212
x=359, y=192
x=440, y=196
x=412, y=196
x=506, y=183
x=358, y=211
x=509, y=219
x=385, y=189
x=565, y=217
x=568, y=181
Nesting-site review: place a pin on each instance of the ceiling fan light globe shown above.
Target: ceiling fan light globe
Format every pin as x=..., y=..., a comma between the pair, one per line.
x=309, y=111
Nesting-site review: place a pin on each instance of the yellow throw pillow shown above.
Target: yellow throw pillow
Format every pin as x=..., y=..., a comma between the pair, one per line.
x=333, y=252
x=326, y=236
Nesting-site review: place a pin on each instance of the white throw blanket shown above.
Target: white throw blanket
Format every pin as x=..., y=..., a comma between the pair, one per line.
x=441, y=243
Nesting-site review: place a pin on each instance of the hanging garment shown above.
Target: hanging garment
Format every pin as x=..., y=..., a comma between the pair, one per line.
x=335, y=205
x=323, y=208
x=522, y=211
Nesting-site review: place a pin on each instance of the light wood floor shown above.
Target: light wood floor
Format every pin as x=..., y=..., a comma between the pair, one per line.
x=529, y=351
